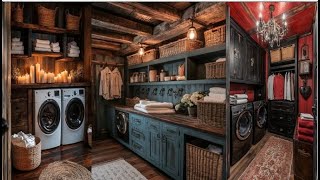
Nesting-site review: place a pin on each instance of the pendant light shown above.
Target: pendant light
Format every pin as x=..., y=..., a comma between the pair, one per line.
x=141, y=50
x=192, y=32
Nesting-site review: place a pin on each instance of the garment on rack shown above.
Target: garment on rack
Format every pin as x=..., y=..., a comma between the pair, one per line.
x=278, y=87
x=292, y=86
x=110, y=84
x=270, y=87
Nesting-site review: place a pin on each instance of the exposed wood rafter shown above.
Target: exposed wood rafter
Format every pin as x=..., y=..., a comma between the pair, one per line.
x=105, y=45
x=114, y=37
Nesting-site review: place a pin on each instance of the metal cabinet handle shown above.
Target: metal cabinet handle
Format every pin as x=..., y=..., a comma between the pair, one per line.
x=135, y=134
x=252, y=62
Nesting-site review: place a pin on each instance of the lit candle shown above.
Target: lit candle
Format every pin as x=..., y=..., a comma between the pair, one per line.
x=55, y=79
x=38, y=73
x=69, y=79
x=19, y=80
x=23, y=79
x=32, y=75
x=45, y=78
x=65, y=76
x=59, y=79
x=27, y=80
x=41, y=76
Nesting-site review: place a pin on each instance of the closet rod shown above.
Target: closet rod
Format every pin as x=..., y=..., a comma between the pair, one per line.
x=284, y=70
x=106, y=64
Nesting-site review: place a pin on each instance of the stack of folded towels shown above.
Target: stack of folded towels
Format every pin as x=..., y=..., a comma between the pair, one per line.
x=17, y=46
x=73, y=49
x=305, y=127
x=154, y=107
x=42, y=45
x=216, y=95
x=238, y=99
x=55, y=47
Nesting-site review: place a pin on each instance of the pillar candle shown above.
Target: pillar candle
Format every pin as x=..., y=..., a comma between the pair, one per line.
x=55, y=79
x=69, y=79
x=38, y=73
x=19, y=79
x=32, y=74
x=59, y=78
x=23, y=79
x=27, y=80
x=41, y=76
x=45, y=78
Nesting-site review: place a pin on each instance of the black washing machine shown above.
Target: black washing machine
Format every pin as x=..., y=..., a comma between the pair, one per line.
x=260, y=121
x=241, y=130
x=122, y=126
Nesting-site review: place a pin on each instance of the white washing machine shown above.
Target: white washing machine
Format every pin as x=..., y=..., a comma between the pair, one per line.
x=73, y=115
x=48, y=117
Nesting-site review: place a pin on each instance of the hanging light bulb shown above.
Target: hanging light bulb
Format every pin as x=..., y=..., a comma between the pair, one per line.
x=141, y=50
x=192, y=32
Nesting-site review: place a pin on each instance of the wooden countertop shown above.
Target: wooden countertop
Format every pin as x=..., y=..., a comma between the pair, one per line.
x=177, y=119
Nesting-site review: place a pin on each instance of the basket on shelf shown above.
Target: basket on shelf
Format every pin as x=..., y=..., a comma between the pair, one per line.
x=202, y=163
x=26, y=159
x=149, y=55
x=275, y=55
x=46, y=17
x=215, y=36
x=287, y=53
x=134, y=59
x=72, y=22
x=212, y=114
x=132, y=101
x=215, y=70
x=17, y=13
x=180, y=46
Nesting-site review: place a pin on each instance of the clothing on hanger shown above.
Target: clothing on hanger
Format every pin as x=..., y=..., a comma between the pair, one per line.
x=110, y=83
x=270, y=87
x=278, y=87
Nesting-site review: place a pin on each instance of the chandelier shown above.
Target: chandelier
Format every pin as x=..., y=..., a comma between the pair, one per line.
x=270, y=31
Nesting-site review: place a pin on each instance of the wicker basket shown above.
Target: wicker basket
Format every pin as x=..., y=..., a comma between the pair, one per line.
x=287, y=53
x=46, y=17
x=202, y=164
x=149, y=55
x=134, y=59
x=72, y=22
x=275, y=55
x=179, y=46
x=26, y=159
x=215, y=70
x=132, y=101
x=215, y=36
x=212, y=114
x=17, y=13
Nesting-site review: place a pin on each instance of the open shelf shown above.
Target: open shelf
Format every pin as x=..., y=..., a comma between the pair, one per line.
x=289, y=61
x=201, y=81
x=284, y=66
x=53, y=85
x=47, y=54
x=18, y=56
x=38, y=28
x=244, y=82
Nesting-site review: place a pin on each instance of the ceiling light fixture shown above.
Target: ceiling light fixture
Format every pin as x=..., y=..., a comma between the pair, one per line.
x=192, y=32
x=270, y=31
x=141, y=50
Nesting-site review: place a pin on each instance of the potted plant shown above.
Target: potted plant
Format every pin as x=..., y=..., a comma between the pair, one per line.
x=189, y=103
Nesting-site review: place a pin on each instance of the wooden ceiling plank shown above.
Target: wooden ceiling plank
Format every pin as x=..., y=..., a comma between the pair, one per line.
x=105, y=45
x=116, y=23
x=114, y=37
x=248, y=11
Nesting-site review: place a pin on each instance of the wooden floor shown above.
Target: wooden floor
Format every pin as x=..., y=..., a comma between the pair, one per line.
x=103, y=151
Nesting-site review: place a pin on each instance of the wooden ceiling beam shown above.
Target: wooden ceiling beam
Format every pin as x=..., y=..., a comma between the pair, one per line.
x=120, y=24
x=114, y=37
x=99, y=44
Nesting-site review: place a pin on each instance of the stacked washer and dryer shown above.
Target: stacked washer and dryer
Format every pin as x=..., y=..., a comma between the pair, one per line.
x=59, y=116
x=248, y=126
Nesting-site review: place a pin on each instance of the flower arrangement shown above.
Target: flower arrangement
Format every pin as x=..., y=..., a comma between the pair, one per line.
x=189, y=100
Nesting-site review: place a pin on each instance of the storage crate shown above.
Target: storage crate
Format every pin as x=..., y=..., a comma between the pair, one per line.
x=202, y=163
x=215, y=36
x=275, y=55
x=287, y=53
x=134, y=59
x=215, y=70
x=149, y=55
x=178, y=47
x=46, y=17
x=212, y=114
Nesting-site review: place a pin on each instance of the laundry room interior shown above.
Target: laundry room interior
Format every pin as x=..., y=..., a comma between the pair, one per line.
x=159, y=90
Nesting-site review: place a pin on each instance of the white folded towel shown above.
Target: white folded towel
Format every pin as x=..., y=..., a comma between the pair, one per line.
x=42, y=49
x=73, y=55
x=215, y=149
x=168, y=111
x=306, y=116
x=74, y=51
x=241, y=96
x=218, y=90
x=17, y=52
x=17, y=48
x=41, y=45
x=146, y=102
x=15, y=39
x=53, y=45
x=18, y=43
x=72, y=43
x=221, y=60
x=217, y=98
x=70, y=46
x=157, y=105
x=40, y=41
x=238, y=101
x=215, y=95
x=56, y=48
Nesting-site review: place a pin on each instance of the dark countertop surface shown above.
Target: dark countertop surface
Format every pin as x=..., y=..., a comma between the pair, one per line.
x=177, y=119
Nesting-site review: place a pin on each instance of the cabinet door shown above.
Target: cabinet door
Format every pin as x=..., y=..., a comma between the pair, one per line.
x=237, y=55
x=251, y=62
x=170, y=149
x=154, y=142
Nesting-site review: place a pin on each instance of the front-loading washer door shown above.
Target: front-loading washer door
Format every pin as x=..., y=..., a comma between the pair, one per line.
x=49, y=116
x=74, y=113
x=244, y=125
x=261, y=117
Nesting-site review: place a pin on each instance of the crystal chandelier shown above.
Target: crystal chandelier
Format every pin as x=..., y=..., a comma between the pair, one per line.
x=270, y=31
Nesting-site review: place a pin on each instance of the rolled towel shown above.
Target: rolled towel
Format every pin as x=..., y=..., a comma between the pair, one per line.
x=238, y=101
x=305, y=131
x=218, y=99
x=53, y=45
x=70, y=46
x=19, y=43
x=16, y=39
x=42, y=49
x=305, y=123
x=241, y=96
x=302, y=137
x=218, y=90
x=17, y=52
x=72, y=43
x=17, y=48
x=40, y=45
x=73, y=55
x=74, y=51
x=221, y=60
x=42, y=41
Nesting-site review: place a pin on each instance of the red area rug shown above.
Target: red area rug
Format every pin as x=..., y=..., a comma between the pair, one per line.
x=274, y=161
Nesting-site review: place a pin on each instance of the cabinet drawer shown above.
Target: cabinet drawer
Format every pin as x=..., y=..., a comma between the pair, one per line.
x=303, y=159
x=137, y=121
x=153, y=126
x=19, y=112
x=137, y=134
x=138, y=147
x=170, y=131
x=283, y=119
x=280, y=129
x=282, y=106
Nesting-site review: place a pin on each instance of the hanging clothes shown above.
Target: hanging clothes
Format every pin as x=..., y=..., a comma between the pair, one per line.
x=288, y=86
x=278, y=87
x=292, y=86
x=110, y=84
x=285, y=86
x=270, y=87
x=116, y=83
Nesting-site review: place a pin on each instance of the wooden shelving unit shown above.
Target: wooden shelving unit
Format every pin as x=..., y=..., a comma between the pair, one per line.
x=44, y=29
x=47, y=85
x=47, y=54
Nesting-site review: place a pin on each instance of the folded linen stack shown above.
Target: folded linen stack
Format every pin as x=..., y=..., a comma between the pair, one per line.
x=55, y=47
x=42, y=45
x=305, y=127
x=216, y=95
x=238, y=99
x=17, y=46
x=73, y=49
x=154, y=107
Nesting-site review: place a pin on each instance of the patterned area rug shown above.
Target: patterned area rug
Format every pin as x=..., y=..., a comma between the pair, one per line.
x=274, y=161
x=116, y=170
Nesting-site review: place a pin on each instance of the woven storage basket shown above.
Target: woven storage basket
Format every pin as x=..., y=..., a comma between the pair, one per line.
x=132, y=101
x=275, y=55
x=72, y=22
x=215, y=70
x=202, y=164
x=17, y=13
x=215, y=36
x=26, y=159
x=134, y=59
x=287, y=53
x=212, y=114
x=46, y=17
x=179, y=46
x=149, y=55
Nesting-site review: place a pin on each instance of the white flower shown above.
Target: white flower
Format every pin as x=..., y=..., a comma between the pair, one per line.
x=185, y=98
x=177, y=107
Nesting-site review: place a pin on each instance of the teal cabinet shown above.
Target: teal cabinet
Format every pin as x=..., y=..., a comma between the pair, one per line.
x=154, y=142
